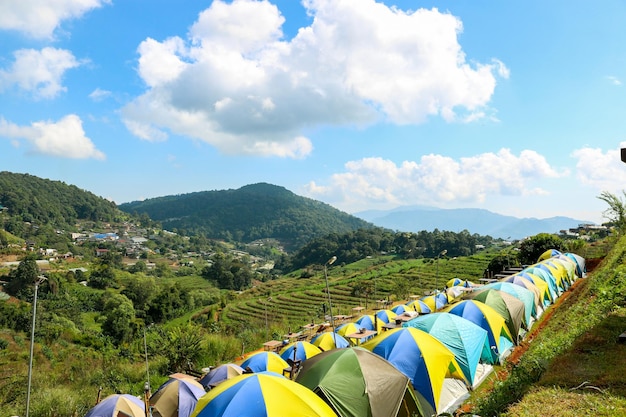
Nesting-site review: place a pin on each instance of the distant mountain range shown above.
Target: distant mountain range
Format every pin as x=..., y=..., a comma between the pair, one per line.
x=483, y=222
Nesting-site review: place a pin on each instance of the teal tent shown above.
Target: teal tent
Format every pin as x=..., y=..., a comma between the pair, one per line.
x=466, y=340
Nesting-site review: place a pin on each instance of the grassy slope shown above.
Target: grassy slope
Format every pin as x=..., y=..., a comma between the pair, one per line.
x=574, y=366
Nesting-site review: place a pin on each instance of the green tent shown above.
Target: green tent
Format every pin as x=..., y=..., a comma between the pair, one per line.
x=358, y=383
x=509, y=307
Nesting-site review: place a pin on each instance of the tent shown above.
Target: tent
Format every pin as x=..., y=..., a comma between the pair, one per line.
x=299, y=351
x=356, y=382
x=177, y=397
x=581, y=268
x=385, y=316
x=436, y=301
x=421, y=357
x=568, y=264
x=350, y=328
x=558, y=273
x=329, y=340
x=538, y=286
x=454, y=282
x=507, y=306
x=455, y=292
x=549, y=254
x=544, y=275
x=465, y=339
x=498, y=335
x=366, y=321
x=118, y=404
x=265, y=361
x=418, y=306
x=220, y=374
x=524, y=295
x=264, y=394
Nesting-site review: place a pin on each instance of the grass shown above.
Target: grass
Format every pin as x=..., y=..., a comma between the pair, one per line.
x=554, y=401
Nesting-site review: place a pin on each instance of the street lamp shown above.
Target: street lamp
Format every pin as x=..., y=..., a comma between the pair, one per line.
x=443, y=252
x=330, y=307
x=269, y=299
x=38, y=282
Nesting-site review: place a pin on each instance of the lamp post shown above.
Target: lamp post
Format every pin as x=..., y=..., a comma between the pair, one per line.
x=443, y=252
x=38, y=282
x=269, y=299
x=330, y=307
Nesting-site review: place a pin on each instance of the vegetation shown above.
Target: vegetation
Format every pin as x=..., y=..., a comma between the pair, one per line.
x=352, y=246
x=44, y=202
x=188, y=301
x=616, y=212
x=257, y=211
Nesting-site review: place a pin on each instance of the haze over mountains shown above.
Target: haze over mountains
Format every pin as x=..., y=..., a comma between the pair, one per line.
x=483, y=222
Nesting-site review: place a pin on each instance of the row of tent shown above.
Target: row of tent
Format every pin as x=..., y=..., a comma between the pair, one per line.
x=422, y=368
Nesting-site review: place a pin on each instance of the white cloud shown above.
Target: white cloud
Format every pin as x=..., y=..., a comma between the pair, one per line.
x=38, y=72
x=243, y=88
x=601, y=170
x=614, y=80
x=64, y=138
x=99, y=94
x=40, y=18
x=436, y=180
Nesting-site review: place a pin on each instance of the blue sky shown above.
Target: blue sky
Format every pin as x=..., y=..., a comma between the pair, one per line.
x=515, y=107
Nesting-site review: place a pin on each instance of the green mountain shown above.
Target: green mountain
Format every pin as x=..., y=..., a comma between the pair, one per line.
x=26, y=198
x=251, y=212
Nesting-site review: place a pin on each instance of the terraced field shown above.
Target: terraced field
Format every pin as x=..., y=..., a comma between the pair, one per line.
x=291, y=301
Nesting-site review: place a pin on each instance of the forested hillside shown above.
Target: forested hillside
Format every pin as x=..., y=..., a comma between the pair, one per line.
x=27, y=198
x=248, y=213
x=356, y=245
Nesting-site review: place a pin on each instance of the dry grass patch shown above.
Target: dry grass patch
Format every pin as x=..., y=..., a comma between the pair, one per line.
x=541, y=402
x=596, y=358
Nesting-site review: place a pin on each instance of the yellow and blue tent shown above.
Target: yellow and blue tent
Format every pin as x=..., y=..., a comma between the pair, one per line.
x=300, y=350
x=264, y=394
x=265, y=361
x=436, y=301
x=416, y=305
x=330, y=340
x=350, y=328
x=549, y=254
x=465, y=339
x=421, y=357
x=507, y=306
x=386, y=316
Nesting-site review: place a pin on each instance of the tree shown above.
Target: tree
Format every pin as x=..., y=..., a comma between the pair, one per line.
x=119, y=315
x=616, y=213
x=22, y=279
x=531, y=249
x=141, y=291
x=102, y=277
x=363, y=289
x=183, y=347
